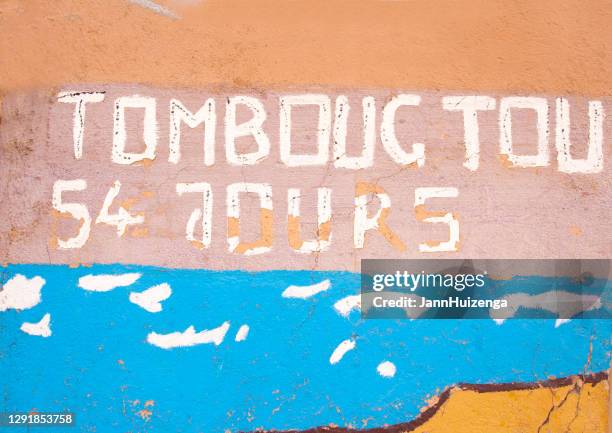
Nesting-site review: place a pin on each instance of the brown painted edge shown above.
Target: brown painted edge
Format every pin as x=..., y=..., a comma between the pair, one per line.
x=428, y=413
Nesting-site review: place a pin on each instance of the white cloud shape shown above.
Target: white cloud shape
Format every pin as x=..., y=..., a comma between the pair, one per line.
x=189, y=337
x=21, y=293
x=106, y=283
x=40, y=329
x=339, y=351
x=386, y=369
x=303, y=292
x=151, y=298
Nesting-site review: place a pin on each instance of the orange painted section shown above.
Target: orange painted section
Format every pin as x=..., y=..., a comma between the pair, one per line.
x=546, y=46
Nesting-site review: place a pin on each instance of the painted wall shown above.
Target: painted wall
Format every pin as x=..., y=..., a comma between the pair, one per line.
x=153, y=320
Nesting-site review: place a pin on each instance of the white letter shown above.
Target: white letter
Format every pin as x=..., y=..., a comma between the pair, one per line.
x=323, y=129
x=205, y=213
x=470, y=106
x=366, y=159
x=422, y=194
x=122, y=218
x=264, y=243
x=252, y=127
x=78, y=124
x=387, y=132
x=149, y=133
x=594, y=161
x=206, y=114
x=78, y=211
x=505, y=126
x=362, y=223
x=323, y=221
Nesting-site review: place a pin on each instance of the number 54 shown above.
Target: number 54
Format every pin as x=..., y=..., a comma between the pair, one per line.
x=121, y=220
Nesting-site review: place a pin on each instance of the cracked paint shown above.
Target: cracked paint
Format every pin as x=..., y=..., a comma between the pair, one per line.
x=523, y=182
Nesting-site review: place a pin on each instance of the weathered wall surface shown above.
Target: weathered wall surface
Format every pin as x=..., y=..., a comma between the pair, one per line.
x=192, y=345
x=524, y=46
x=494, y=199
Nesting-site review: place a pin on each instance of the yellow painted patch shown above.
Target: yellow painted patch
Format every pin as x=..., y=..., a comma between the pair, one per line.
x=576, y=408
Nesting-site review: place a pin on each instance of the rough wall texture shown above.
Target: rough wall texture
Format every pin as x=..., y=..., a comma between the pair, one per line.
x=192, y=344
x=497, y=199
x=522, y=46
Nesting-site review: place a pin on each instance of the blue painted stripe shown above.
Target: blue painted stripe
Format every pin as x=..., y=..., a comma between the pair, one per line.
x=98, y=364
